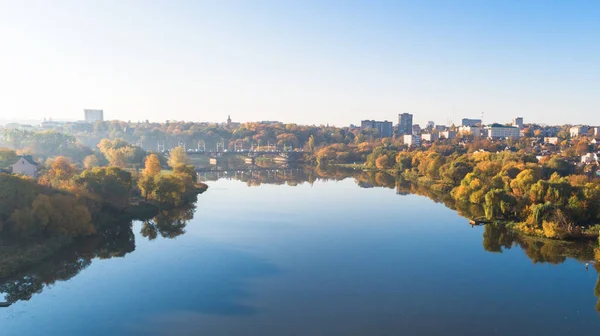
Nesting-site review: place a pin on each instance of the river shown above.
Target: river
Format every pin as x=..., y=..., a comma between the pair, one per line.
x=291, y=253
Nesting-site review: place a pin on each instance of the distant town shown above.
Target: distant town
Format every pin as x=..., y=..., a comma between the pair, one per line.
x=543, y=140
x=411, y=134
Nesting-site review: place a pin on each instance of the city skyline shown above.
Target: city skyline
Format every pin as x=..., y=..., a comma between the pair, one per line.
x=308, y=63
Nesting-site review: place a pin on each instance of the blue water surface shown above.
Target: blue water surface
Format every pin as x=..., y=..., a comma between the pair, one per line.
x=329, y=258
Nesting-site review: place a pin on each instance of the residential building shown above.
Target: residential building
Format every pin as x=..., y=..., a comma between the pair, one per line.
x=470, y=130
x=91, y=116
x=497, y=131
x=383, y=127
x=552, y=140
x=411, y=140
x=429, y=137
x=518, y=122
x=589, y=158
x=52, y=124
x=578, y=131
x=416, y=129
x=551, y=131
x=405, y=123
x=448, y=135
x=25, y=166
x=596, y=132
x=430, y=125
x=466, y=122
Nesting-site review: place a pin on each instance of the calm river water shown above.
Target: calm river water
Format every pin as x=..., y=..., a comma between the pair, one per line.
x=331, y=257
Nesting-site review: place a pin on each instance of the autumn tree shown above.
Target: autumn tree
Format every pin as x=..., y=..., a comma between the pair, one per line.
x=60, y=172
x=152, y=169
x=152, y=166
x=311, y=143
x=178, y=156
x=90, y=162
x=384, y=162
x=120, y=153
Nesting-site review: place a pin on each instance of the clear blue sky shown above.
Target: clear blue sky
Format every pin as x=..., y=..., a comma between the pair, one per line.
x=309, y=62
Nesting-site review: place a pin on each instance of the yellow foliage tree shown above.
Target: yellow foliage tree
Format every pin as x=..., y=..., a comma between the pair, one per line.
x=90, y=162
x=178, y=157
x=152, y=165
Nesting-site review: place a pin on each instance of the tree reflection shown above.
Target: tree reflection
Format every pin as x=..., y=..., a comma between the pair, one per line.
x=116, y=240
x=168, y=223
x=496, y=237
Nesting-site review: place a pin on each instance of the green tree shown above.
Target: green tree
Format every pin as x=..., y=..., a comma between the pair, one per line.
x=110, y=185
x=168, y=190
x=7, y=157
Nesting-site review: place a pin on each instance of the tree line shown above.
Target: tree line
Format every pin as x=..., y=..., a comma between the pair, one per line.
x=549, y=197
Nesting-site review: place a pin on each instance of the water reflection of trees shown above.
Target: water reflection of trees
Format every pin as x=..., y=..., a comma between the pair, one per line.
x=168, y=223
x=116, y=240
x=278, y=176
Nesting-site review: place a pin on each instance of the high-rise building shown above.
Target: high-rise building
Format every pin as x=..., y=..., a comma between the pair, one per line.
x=518, y=122
x=383, y=127
x=91, y=116
x=405, y=124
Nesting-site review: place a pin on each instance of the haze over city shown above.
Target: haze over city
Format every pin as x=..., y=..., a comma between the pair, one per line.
x=308, y=62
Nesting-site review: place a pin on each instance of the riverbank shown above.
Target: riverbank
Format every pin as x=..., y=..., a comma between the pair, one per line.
x=17, y=256
x=476, y=212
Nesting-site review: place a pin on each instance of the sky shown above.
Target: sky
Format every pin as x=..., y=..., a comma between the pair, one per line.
x=306, y=62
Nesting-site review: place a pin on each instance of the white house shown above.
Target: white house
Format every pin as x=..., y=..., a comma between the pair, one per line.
x=589, y=158
x=429, y=137
x=578, y=130
x=473, y=130
x=448, y=134
x=25, y=166
x=412, y=140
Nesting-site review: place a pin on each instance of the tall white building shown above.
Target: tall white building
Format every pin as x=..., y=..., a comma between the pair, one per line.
x=91, y=116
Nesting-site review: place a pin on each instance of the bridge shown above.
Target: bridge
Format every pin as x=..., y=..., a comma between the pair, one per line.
x=282, y=156
x=249, y=173
x=244, y=152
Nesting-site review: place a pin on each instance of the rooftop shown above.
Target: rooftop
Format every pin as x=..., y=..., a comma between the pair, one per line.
x=29, y=159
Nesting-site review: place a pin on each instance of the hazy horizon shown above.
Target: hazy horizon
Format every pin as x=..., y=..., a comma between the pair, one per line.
x=309, y=62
